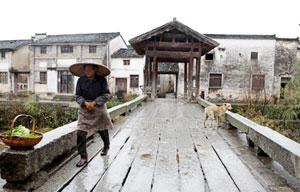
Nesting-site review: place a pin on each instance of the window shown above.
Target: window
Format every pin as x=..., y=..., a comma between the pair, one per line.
x=67, y=49
x=126, y=62
x=92, y=49
x=134, y=81
x=215, y=80
x=254, y=55
x=258, y=82
x=209, y=57
x=43, y=77
x=3, y=77
x=43, y=50
x=2, y=54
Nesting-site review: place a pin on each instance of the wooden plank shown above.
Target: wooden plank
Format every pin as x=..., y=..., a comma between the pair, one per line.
x=166, y=177
x=238, y=171
x=141, y=174
x=94, y=170
x=191, y=176
x=216, y=175
x=116, y=174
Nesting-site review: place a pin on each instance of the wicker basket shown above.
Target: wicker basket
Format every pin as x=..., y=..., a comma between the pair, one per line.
x=21, y=142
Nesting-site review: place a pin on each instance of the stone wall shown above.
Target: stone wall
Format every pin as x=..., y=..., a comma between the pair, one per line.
x=232, y=59
x=285, y=53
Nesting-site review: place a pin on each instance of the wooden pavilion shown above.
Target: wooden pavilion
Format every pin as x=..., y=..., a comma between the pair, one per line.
x=173, y=42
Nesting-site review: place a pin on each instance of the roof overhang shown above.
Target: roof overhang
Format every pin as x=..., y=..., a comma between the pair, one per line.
x=206, y=41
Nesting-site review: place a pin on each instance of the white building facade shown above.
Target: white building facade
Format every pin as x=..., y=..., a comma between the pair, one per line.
x=259, y=65
x=127, y=72
x=14, y=66
x=52, y=55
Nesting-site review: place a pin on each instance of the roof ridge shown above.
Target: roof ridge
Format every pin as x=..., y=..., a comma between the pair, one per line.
x=84, y=34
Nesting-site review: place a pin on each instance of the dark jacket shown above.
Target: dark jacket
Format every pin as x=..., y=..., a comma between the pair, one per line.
x=95, y=89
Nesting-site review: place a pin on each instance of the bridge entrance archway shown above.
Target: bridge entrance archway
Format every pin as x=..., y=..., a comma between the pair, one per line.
x=173, y=42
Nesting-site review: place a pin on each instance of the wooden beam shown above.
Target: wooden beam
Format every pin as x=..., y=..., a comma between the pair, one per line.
x=171, y=44
x=170, y=35
x=172, y=54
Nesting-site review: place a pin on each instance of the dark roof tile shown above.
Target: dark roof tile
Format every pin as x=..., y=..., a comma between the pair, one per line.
x=13, y=44
x=126, y=53
x=77, y=38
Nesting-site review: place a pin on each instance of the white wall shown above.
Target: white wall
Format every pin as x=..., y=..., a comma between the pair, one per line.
x=52, y=81
x=119, y=70
x=231, y=63
x=5, y=64
x=116, y=44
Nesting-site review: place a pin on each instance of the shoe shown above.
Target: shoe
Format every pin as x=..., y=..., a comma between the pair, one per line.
x=104, y=151
x=82, y=161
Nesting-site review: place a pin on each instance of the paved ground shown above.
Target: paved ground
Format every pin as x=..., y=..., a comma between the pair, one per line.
x=164, y=147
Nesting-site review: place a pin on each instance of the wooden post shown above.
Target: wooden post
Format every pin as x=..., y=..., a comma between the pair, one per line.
x=197, y=76
x=185, y=80
x=145, y=76
x=149, y=71
x=154, y=79
x=190, y=87
x=176, y=86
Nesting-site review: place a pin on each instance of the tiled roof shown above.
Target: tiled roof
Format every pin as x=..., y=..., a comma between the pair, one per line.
x=126, y=53
x=167, y=67
x=13, y=44
x=240, y=36
x=77, y=38
x=136, y=41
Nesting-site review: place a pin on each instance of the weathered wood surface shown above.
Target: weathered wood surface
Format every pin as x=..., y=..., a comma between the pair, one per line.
x=165, y=148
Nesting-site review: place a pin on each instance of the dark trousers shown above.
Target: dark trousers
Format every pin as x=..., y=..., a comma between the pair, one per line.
x=81, y=140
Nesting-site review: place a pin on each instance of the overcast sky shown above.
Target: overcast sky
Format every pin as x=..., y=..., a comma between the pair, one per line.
x=21, y=19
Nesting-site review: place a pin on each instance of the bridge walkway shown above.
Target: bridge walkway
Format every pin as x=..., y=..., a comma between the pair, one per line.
x=163, y=147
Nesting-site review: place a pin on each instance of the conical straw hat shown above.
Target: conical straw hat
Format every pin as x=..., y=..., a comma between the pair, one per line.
x=77, y=69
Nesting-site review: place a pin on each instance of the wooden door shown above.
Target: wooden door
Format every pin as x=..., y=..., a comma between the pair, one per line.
x=121, y=87
x=66, y=82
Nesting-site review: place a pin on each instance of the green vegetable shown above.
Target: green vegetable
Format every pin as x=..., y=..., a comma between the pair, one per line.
x=21, y=131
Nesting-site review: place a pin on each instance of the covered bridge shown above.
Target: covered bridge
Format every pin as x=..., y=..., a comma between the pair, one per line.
x=173, y=42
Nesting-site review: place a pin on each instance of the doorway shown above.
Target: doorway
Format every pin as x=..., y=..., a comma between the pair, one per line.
x=167, y=86
x=284, y=90
x=65, y=82
x=121, y=87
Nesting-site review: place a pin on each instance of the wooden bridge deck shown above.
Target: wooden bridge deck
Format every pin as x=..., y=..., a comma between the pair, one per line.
x=164, y=147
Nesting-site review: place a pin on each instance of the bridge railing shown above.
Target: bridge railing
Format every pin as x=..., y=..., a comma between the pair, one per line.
x=24, y=169
x=278, y=147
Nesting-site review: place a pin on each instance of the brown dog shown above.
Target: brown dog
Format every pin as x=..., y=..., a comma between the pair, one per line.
x=215, y=111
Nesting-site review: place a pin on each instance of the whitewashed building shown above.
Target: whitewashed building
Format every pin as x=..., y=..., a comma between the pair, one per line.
x=14, y=66
x=245, y=63
x=127, y=72
x=51, y=56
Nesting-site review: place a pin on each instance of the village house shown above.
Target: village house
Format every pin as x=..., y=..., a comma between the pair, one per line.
x=14, y=66
x=127, y=76
x=261, y=64
x=241, y=63
x=51, y=56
